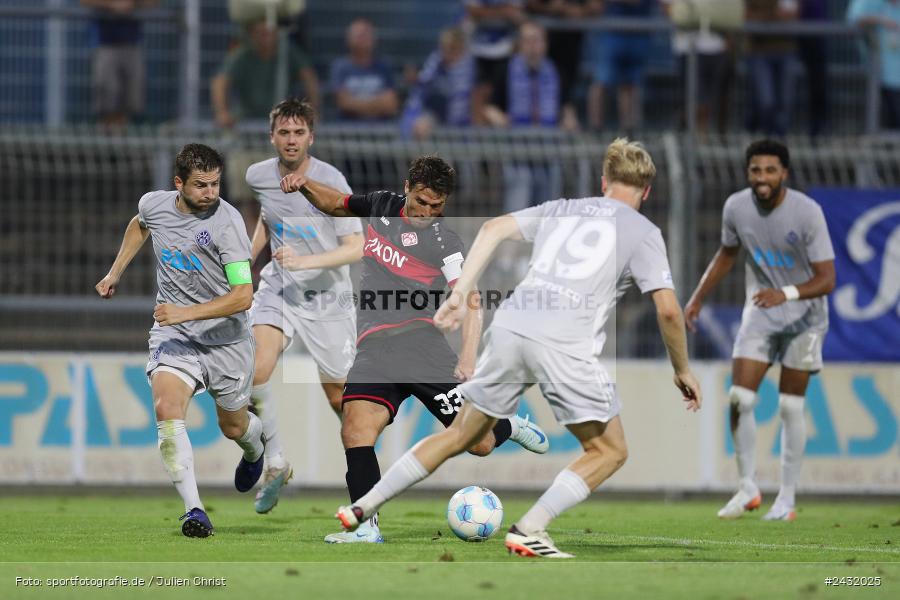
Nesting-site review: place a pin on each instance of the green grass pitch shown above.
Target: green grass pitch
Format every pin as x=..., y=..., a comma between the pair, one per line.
x=625, y=549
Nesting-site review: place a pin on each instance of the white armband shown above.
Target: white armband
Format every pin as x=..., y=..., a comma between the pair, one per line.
x=791, y=292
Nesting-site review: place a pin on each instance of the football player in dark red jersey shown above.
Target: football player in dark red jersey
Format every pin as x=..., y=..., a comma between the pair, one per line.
x=410, y=257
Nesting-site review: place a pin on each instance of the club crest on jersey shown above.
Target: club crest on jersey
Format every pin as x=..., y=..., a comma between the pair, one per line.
x=203, y=238
x=792, y=238
x=409, y=238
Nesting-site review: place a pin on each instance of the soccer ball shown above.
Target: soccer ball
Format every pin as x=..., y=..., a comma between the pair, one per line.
x=474, y=513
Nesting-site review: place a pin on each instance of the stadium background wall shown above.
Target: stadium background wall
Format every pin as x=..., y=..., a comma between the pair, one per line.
x=70, y=419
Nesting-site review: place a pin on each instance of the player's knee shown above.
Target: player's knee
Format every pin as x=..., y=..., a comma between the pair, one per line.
x=615, y=454
x=790, y=406
x=619, y=455
x=741, y=398
x=360, y=428
x=167, y=408
x=482, y=448
x=231, y=430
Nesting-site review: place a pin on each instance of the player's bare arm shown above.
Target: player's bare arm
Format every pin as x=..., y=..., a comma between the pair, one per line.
x=820, y=284
x=134, y=238
x=718, y=267
x=260, y=239
x=349, y=251
x=472, y=325
x=327, y=199
x=238, y=299
x=451, y=313
x=671, y=327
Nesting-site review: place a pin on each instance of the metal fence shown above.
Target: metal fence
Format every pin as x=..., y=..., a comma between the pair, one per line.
x=66, y=196
x=45, y=50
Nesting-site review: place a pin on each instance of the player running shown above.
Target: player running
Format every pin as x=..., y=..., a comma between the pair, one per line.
x=200, y=339
x=410, y=256
x=789, y=271
x=306, y=291
x=581, y=266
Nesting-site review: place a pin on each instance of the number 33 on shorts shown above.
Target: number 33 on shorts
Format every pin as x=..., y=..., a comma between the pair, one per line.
x=450, y=402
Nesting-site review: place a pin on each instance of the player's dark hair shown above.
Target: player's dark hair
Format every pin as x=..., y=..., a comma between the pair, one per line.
x=197, y=157
x=768, y=148
x=432, y=172
x=293, y=108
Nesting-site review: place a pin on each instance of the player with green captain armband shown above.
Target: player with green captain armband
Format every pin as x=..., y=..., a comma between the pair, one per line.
x=200, y=339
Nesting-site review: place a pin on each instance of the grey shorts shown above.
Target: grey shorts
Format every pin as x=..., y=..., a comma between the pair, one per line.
x=800, y=351
x=118, y=80
x=578, y=390
x=332, y=343
x=226, y=370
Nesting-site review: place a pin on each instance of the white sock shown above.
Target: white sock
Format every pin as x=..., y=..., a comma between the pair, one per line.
x=567, y=490
x=745, y=437
x=403, y=474
x=266, y=406
x=178, y=459
x=793, y=443
x=251, y=441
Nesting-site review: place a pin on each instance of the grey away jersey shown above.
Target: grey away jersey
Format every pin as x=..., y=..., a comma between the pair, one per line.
x=292, y=220
x=191, y=252
x=586, y=254
x=780, y=247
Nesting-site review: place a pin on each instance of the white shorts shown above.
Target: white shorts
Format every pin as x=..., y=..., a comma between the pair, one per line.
x=800, y=351
x=226, y=370
x=578, y=390
x=332, y=343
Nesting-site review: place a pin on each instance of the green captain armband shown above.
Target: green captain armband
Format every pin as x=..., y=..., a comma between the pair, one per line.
x=238, y=273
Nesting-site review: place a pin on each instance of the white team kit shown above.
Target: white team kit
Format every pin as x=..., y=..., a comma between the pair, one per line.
x=191, y=251
x=315, y=305
x=780, y=246
x=550, y=331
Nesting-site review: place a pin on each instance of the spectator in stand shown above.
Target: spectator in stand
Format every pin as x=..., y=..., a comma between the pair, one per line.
x=442, y=94
x=619, y=59
x=248, y=84
x=813, y=51
x=565, y=47
x=714, y=69
x=493, y=41
x=532, y=100
x=770, y=68
x=883, y=17
x=118, y=73
x=363, y=85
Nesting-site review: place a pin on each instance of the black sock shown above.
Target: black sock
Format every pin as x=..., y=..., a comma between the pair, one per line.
x=362, y=471
x=502, y=431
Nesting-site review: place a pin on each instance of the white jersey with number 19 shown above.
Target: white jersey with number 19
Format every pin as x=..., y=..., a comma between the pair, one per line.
x=586, y=254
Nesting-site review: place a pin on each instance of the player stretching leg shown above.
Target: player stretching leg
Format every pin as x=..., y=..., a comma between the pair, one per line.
x=790, y=270
x=409, y=253
x=577, y=255
x=200, y=339
x=306, y=291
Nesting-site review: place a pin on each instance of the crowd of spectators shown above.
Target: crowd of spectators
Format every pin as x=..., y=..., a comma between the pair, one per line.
x=499, y=66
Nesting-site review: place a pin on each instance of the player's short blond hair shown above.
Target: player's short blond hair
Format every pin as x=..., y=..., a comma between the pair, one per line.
x=628, y=163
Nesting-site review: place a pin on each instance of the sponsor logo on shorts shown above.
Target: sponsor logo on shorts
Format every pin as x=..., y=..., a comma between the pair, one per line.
x=156, y=353
x=409, y=238
x=385, y=220
x=203, y=238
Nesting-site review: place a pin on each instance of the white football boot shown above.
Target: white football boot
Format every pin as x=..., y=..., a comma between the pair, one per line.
x=740, y=503
x=538, y=544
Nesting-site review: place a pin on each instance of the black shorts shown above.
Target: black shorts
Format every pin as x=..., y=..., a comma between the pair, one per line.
x=420, y=358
